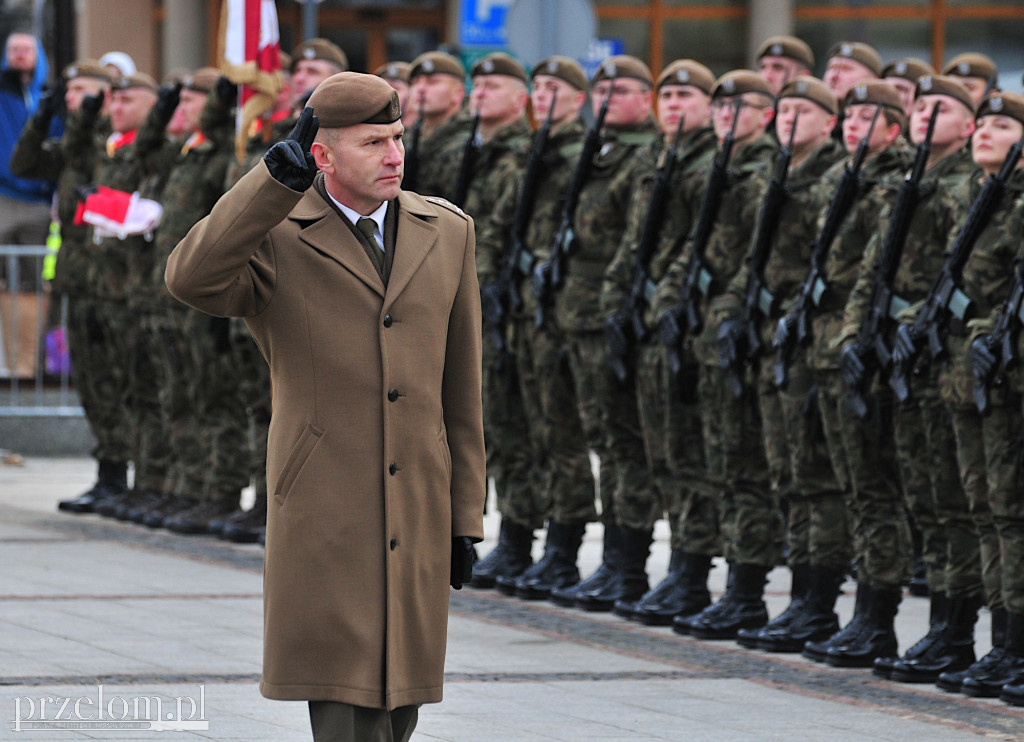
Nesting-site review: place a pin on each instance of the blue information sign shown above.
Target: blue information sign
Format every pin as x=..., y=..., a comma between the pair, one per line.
x=482, y=23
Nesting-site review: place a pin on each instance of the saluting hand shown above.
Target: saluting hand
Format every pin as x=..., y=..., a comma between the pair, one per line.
x=290, y=162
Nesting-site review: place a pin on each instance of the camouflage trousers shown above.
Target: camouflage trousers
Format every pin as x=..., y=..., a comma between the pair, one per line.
x=152, y=456
x=509, y=439
x=818, y=528
x=100, y=351
x=867, y=451
x=611, y=423
x=926, y=447
x=735, y=456
x=670, y=424
x=567, y=488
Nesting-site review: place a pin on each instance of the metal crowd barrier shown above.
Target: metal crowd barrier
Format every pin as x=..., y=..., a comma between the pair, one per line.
x=28, y=318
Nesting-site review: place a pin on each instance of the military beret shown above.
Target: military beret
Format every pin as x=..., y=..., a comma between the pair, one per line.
x=623, y=65
x=436, y=63
x=1001, y=103
x=687, y=72
x=564, y=68
x=874, y=93
x=789, y=47
x=86, y=68
x=137, y=80
x=908, y=68
x=858, y=52
x=971, y=64
x=499, y=63
x=394, y=71
x=739, y=82
x=944, y=85
x=350, y=98
x=319, y=49
x=202, y=80
x=812, y=89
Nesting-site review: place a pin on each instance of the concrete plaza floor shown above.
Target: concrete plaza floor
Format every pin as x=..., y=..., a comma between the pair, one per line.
x=88, y=602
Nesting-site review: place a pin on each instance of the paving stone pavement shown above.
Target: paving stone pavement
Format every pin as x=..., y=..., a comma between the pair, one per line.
x=87, y=602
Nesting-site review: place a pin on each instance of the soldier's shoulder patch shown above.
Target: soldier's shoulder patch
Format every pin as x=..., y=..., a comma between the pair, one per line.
x=446, y=203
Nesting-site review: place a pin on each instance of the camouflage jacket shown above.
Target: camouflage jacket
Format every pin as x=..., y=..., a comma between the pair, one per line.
x=599, y=223
x=723, y=255
x=432, y=177
x=695, y=152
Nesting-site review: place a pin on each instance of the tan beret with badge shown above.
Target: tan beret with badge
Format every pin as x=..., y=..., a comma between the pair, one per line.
x=437, y=63
x=137, y=80
x=874, y=93
x=789, y=47
x=350, y=98
x=203, y=80
x=812, y=89
x=564, y=68
x=971, y=64
x=739, y=82
x=944, y=85
x=394, y=71
x=687, y=72
x=323, y=49
x=858, y=52
x=623, y=65
x=908, y=68
x=86, y=68
x=1000, y=103
x=499, y=63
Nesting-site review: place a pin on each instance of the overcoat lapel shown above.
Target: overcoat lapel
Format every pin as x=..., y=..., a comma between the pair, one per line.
x=416, y=237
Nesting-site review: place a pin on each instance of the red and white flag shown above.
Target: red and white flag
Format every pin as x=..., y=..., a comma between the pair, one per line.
x=251, y=57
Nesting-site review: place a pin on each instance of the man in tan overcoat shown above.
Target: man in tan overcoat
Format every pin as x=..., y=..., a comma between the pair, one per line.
x=376, y=454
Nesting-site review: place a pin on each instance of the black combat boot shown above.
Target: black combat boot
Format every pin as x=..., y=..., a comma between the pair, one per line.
x=566, y=596
x=628, y=609
x=816, y=621
x=556, y=569
x=683, y=624
x=246, y=526
x=938, y=611
x=817, y=649
x=952, y=650
x=510, y=558
x=685, y=595
x=799, y=583
x=629, y=582
x=744, y=606
x=951, y=681
x=1010, y=671
x=877, y=638
x=111, y=481
x=1012, y=691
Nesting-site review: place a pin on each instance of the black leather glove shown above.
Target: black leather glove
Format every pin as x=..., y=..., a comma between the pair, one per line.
x=290, y=162
x=983, y=359
x=463, y=559
x=49, y=102
x=731, y=335
x=91, y=104
x=852, y=367
x=904, y=350
x=226, y=91
x=167, y=98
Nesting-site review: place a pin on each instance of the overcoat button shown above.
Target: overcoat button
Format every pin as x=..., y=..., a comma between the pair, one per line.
x=394, y=544
x=393, y=468
x=393, y=395
x=387, y=320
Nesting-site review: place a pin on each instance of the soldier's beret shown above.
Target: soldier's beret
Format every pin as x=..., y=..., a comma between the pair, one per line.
x=436, y=63
x=858, y=52
x=944, y=85
x=812, y=89
x=394, y=71
x=971, y=64
x=908, y=68
x=739, y=82
x=86, y=68
x=350, y=98
x=874, y=93
x=687, y=72
x=137, y=80
x=789, y=47
x=1001, y=103
x=202, y=80
x=499, y=63
x=564, y=68
x=623, y=65
x=319, y=49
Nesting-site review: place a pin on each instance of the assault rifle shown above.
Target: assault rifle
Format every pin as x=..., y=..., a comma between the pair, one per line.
x=626, y=328
x=469, y=152
x=871, y=350
x=758, y=301
x=794, y=330
x=549, y=275
x=698, y=280
x=945, y=299
x=1002, y=342
x=412, y=153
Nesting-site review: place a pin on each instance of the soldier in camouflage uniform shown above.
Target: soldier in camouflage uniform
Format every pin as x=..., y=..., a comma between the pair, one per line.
x=978, y=73
x=629, y=499
x=903, y=74
x=37, y=157
x=798, y=462
x=670, y=419
x=734, y=450
x=566, y=488
x=783, y=58
x=925, y=445
x=863, y=448
x=988, y=447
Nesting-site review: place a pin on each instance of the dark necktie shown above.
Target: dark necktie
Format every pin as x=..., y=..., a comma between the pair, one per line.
x=367, y=227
